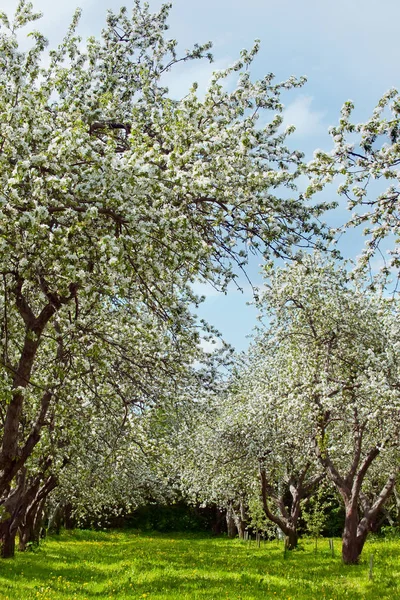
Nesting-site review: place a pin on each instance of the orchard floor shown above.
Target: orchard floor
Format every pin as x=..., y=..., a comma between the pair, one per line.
x=86, y=565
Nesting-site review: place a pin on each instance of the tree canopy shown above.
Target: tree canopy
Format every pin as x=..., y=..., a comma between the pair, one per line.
x=115, y=198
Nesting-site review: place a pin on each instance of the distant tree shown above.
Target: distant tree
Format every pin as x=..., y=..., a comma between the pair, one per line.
x=243, y=446
x=209, y=454
x=278, y=447
x=336, y=360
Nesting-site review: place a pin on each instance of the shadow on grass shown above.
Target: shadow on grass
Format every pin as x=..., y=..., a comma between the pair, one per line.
x=86, y=565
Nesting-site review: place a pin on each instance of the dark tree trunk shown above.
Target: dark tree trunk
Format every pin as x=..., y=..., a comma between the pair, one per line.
x=8, y=540
x=24, y=532
x=29, y=529
x=30, y=524
x=292, y=538
x=350, y=551
x=354, y=536
x=69, y=521
x=349, y=485
x=13, y=506
x=24, y=506
x=218, y=523
x=8, y=533
x=14, y=452
x=37, y=530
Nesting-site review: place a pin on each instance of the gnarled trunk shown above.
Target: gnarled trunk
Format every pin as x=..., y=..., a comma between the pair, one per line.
x=14, y=451
x=29, y=529
x=218, y=523
x=55, y=520
x=8, y=531
x=350, y=486
x=31, y=522
x=287, y=519
x=354, y=536
x=13, y=505
x=24, y=506
x=69, y=521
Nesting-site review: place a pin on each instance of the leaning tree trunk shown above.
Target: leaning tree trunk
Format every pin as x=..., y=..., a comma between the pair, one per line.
x=38, y=530
x=30, y=525
x=287, y=519
x=13, y=506
x=286, y=524
x=356, y=532
x=8, y=533
x=14, y=451
x=69, y=521
x=17, y=506
x=25, y=533
x=29, y=529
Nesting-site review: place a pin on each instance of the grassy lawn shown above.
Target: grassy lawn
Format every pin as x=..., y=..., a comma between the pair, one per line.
x=85, y=565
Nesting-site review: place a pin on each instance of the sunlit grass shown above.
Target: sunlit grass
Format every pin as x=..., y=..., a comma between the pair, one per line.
x=85, y=565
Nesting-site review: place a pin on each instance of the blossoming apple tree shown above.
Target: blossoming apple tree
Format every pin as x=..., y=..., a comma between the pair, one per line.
x=242, y=448
x=280, y=447
x=115, y=198
x=337, y=347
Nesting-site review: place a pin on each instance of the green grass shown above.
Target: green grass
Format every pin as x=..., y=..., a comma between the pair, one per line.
x=87, y=565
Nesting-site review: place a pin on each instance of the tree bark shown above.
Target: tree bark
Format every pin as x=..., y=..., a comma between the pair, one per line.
x=218, y=523
x=29, y=529
x=356, y=529
x=351, y=549
x=287, y=519
x=13, y=451
x=349, y=485
x=13, y=508
x=69, y=521
x=292, y=538
x=8, y=543
x=24, y=505
x=55, y=520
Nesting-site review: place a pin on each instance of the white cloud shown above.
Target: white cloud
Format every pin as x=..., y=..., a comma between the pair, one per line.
x=308, y=122
x=205, y=289
x=210, y=346
x=57, y=17
x=376, y=264
x=208, y=291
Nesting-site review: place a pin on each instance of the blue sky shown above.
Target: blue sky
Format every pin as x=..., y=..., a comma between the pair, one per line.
x=346, y=49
